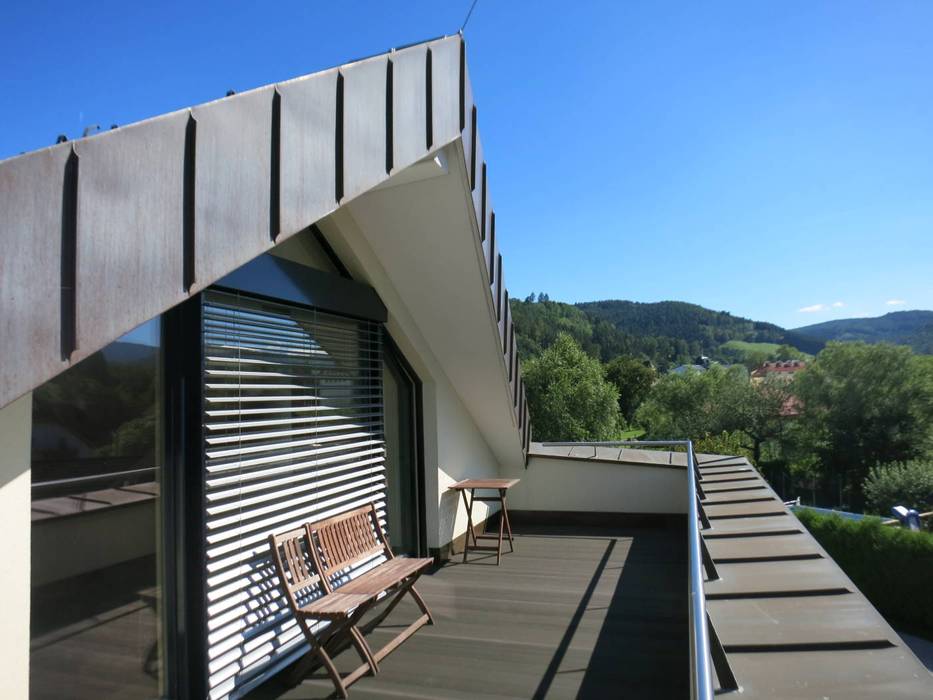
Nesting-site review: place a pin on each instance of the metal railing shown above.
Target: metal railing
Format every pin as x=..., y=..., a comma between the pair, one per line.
x=706, y=651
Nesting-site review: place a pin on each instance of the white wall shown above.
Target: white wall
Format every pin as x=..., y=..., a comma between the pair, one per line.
x=462, y=454
x=15, y=440
x=555, y=484
x=454, y=447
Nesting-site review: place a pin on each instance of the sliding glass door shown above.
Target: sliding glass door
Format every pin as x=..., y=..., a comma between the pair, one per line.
x=402, y=442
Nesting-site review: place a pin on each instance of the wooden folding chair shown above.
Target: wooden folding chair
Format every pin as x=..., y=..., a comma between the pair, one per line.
x=294, y=562
x=353, y=537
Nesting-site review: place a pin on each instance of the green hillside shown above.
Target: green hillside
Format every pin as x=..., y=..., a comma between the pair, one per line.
x=666, y=333
x=913, y=328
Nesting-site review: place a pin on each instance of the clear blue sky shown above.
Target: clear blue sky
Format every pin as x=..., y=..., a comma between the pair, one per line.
x=759, y=158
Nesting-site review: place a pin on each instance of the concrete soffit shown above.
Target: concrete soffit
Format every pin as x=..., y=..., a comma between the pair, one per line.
x=107, y=232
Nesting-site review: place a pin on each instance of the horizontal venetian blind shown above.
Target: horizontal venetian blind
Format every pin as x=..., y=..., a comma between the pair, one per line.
x=293, y=432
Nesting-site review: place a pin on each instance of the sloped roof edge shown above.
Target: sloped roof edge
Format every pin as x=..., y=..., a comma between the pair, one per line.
x=107, y=232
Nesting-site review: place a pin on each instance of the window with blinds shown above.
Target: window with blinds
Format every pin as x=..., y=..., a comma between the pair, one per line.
x=293, y=431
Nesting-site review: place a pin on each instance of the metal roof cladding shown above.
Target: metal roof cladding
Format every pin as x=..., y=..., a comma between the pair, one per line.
x=793, y=625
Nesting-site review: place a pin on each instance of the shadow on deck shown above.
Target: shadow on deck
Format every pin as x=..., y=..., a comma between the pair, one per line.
x=573, y=613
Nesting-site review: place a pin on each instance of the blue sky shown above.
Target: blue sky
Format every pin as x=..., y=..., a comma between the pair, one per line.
x=760, y=158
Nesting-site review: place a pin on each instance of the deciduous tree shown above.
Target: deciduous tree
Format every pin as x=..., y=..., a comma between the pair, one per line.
x=569, y=396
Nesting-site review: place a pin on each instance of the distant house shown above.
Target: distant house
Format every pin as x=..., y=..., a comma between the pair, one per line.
x=779, y=369
x=700, y=364
x=784, y=371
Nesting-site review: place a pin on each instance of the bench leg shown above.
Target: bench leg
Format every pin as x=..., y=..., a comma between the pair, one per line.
x=306, y=663
x=335, y=634
x=365, y=651
x=400, y=593
x=425, y=619
x=420, y=602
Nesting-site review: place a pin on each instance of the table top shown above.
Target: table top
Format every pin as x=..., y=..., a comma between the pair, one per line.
x=483, y=484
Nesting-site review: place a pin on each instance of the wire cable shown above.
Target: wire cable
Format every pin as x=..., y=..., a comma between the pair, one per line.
x=463, y=26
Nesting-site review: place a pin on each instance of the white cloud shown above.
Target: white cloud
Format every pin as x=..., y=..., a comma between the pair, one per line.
x=895, y=302
x=838, y=304
x=812, y=309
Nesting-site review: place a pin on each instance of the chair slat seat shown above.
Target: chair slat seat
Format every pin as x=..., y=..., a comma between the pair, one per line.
x=386, y=575
x=334, y=605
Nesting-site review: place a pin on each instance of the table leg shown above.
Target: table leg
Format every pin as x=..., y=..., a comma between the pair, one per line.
x=469, y=530
x=508, y=525
x=501, y=525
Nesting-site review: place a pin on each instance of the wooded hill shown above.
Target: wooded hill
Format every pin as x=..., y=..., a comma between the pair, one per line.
x=667, y=333
x=913, y=328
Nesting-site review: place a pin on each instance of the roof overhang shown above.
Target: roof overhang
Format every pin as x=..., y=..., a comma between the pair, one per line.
x=105, y=233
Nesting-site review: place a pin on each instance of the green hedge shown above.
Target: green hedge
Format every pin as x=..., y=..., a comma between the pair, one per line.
x=892, y=566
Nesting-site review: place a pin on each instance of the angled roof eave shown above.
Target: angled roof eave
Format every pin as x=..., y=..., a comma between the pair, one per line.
x=105, y=233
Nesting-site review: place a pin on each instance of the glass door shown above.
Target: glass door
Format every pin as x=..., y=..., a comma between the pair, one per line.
x=401, y=420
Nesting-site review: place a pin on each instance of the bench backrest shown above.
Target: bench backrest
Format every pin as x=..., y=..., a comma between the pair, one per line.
x=347, y=539
x=295, y=564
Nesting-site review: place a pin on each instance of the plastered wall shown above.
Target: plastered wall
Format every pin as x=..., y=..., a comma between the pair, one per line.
x=15, y=437
x=581, y=485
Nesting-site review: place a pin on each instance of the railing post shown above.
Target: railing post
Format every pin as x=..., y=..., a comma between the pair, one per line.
x=701, y=682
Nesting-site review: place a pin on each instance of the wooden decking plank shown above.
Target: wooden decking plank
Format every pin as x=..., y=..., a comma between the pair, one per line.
x=551, y=619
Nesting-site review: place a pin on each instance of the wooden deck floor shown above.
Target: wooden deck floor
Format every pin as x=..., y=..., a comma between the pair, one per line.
x=573, y=613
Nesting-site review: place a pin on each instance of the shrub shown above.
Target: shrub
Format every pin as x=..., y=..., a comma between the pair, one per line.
x=724, y=443
x=902, y=483
x=892, y=566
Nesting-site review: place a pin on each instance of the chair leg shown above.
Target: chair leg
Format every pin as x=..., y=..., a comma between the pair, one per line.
x=424, y=619
x=300, y=672
x=420, y=602
x=400, y=593
x=358, y=640
x=335, y=633
x=365, y=651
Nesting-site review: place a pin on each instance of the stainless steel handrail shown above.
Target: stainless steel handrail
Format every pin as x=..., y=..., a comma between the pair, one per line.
x=701, y=674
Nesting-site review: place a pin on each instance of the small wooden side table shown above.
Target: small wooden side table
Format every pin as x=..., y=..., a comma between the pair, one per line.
x=473, y=485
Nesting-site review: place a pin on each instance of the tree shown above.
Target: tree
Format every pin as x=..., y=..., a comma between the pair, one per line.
x=633, y=378
x=757, y=410
x=864, y=405
x=907, y=484
x=753, y=359
x=699, y=405
x=789, y=352
x=690, y=405
x=568, y=395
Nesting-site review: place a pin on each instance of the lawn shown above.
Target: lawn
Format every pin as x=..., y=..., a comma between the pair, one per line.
x=745, y=348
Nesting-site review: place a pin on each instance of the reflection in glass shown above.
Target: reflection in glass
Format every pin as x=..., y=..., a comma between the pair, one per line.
x=95, y=609
x=401, y=476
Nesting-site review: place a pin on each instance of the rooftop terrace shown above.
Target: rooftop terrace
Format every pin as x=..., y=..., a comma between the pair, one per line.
x=574, y=612
x=602, y=611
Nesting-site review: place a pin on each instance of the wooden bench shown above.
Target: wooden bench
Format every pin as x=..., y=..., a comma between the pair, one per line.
x=312, y=563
